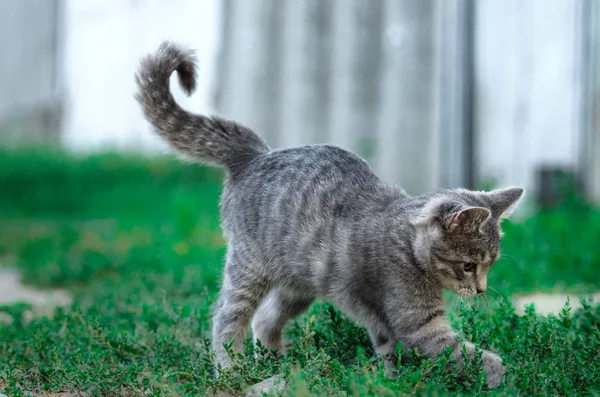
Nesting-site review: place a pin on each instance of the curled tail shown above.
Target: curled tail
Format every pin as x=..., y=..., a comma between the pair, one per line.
x=202, y=138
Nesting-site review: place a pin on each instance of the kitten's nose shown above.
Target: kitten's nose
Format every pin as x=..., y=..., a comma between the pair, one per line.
x=480, y=291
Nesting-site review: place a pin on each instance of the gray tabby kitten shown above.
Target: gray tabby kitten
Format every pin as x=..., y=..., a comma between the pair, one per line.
x=316, y=221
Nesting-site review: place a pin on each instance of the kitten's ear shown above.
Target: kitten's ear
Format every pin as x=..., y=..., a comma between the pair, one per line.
x=504, y=201
x=467, y=219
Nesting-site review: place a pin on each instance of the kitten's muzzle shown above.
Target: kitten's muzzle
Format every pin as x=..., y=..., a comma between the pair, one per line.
x=466, y=292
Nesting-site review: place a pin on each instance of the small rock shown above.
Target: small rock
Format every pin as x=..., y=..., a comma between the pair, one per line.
x=274, y=383
x=6, y=320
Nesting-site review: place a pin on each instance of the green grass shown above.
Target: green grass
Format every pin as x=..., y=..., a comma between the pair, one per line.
x=137, y=242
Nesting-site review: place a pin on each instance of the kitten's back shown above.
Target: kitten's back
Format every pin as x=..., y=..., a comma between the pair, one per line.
x=294, y=204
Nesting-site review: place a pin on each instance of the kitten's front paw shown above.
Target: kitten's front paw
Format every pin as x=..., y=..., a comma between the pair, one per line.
x=492, y=365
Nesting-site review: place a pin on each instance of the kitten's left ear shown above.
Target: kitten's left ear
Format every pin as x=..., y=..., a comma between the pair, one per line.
x=504, y=201
x=467, y=219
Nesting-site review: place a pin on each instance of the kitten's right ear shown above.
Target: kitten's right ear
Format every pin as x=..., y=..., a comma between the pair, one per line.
x=504, y=201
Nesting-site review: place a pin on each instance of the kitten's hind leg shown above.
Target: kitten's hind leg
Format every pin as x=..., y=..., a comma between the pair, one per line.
x=240, y=296
x=385, y=347
x=276, y=310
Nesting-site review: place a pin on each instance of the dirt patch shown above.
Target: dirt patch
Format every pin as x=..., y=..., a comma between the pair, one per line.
x=546, y=304
x=43, y=301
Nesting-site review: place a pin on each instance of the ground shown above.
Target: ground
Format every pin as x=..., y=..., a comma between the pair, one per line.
x=133, y=251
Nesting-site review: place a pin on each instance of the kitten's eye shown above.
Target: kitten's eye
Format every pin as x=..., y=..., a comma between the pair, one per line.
x=469, y=267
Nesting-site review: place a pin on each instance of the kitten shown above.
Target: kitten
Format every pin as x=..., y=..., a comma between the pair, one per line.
x=316, y=221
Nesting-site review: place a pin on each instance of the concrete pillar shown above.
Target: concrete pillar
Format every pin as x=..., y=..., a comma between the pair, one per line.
x=305, y=74
x=356, y=73
x=250, y=63
x=408, y=150
x=456, y=100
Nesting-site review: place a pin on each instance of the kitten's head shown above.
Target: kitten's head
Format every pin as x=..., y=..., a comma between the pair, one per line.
x=458, y=236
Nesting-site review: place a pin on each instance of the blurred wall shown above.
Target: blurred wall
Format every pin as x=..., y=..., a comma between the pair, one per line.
x=432, y=92
x=530, y=78
x=31, y=90
x=104, y=42
x=362, y=75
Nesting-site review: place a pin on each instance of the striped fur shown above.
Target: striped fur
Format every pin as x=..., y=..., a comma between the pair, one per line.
x=316, y=221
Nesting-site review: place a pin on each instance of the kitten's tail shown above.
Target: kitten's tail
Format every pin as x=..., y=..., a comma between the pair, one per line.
x=206, y=139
